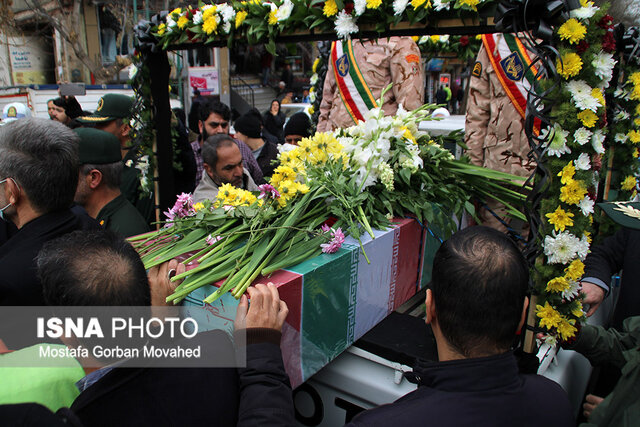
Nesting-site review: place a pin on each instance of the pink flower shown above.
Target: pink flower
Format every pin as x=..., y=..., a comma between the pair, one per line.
x=268, y=190
x=325, y=228
x=182, y=208
x=335, y=243
x=211, y=240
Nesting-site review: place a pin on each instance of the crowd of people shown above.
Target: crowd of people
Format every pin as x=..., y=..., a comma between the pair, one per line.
x=70, y=195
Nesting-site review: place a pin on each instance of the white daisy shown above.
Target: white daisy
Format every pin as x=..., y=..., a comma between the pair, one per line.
x=227, y=12
x=586, y=206
x=597, y=141
x=584, y=12
x=583, y=248
x=345, y=25
x=603, y=63
x=444, y=38
x=197, y=17
x=582, y=162
x=561, y=248
x=558, y=143
x=581, y=94
x=438, y=5
x=313, y=80
x=399, y=6
x=359, y=6
x=621, y=138
x=582, y=136
x=572, y=291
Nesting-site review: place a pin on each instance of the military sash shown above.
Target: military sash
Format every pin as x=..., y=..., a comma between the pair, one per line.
x=512, y=63
x=354, y=91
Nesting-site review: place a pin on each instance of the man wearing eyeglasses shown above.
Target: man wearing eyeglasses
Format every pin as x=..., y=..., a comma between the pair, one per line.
x=214, y=120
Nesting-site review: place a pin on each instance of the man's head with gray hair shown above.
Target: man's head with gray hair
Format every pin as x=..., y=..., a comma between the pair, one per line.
x=39, y=160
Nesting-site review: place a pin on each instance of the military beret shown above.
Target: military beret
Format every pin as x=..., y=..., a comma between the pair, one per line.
x=111, y=106
x=98, y=147
x=627, y=214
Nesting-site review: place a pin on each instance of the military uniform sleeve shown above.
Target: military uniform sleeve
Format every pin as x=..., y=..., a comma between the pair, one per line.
x=328, y=92
x=609, y=346
x=606, y=258
x=407, y=74
x=478, y=109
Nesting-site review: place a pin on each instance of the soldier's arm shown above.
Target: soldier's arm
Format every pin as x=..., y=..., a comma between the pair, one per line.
x=407, y=74
x=478, y=108
x=328, y=91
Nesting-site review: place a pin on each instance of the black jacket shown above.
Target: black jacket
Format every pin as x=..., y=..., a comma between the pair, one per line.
x=275, y=124
x=485, y=391
x=267, y=155
x=258, y=395
x=618, y=252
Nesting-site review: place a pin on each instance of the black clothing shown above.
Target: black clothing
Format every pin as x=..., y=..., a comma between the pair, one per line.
x=19, y=284
x=441, y=96
x=86, y=222
x=618, y=252
x=275, y=124
x=486, y=391
x=267, y=155
x=36, y=415
x=130, y=188
x=121, y=217
x=258, y=395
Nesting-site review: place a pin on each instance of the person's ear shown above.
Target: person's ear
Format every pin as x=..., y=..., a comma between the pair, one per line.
x=94, y=178
x=523, y=316
x=208, y=169
x=200, y=126
x=430, y=308
x=125, y=129
x=12, y=191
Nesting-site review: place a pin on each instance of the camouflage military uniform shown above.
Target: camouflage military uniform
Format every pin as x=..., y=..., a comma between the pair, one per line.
x=494, y=132
x=381, y=62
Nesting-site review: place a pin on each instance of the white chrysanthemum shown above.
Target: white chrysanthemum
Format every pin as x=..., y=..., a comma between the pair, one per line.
x=572, y=291
x=423, y=39
x=399, y=6
x=438, y=5
x=597, y=141
x=133, y=70
x=444, y=38
x=226, y=27
x=171, y=24
x=345, y=25
x=621, y=138
x=586, y=206
x=621, y=115
x=558, y=143
x=312, y=97
x=284, y=11
x=197, y=17
x=583, y=247
x=603, y=63
x=359, y=6
x=581, y=94
x=313, y=80
x=584, y=12
x=550, y=340
x=582, y=136
x=561, y=248
x=582, y=162
x=227, y=12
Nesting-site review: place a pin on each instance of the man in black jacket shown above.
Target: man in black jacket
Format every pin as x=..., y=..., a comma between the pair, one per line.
x=475, y=305
x=102, y=269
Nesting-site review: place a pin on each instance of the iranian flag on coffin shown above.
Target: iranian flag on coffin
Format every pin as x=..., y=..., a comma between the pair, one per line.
x=333, y=299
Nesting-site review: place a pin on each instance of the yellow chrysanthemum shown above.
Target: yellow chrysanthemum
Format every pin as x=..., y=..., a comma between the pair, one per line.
x=634, y=136
x=567, y=173
x=638, y=110
x=635, y=153
x=636, y=121
x=330, y=8
x=572, y=31
x=208, y=13
x=434, y=38
x=210, y=26
x=566, y=330
x=314, y=67
x=560, y=219
x=597, y=94
x=406, y=134
x=478, y=36
x=373, y=4
x=586, y=3
x=572, y=193
x=549, y=317
x=569, y=66
x=198, y=206
x=635, y=93
x=634, y=78
x=575, y=270
x=240, y=17
x=417, y=3
x=282, y=173
x=629, y=183
x=182, y=22
x=557, y=285
x=578, y=310
x=588, y=118
x=587, y=234
x=473, y=4
x=162, y=28
x=273, y=19
x=175, y=12
x=415, y=38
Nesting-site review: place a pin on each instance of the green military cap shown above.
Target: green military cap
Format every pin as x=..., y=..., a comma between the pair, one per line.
x=98, y=147
x=110, y=107
x=627, y=214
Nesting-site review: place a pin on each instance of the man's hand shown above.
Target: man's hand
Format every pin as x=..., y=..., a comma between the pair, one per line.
x=266, y=310
x=159, y=281
x=591, y=402
x=593, y=295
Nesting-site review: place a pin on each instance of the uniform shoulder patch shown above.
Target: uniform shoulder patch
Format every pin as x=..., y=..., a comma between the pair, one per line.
x=477, y=69
x=413, y=58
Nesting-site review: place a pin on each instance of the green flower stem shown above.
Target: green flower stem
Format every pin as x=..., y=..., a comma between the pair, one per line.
x=293, y=260
x=364, y=222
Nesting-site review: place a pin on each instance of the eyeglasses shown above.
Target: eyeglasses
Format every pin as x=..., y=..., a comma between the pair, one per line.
x=214, y=125
x=292, y=140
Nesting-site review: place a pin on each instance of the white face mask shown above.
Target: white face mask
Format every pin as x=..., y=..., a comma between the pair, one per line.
x=8, y=204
